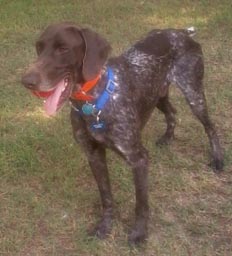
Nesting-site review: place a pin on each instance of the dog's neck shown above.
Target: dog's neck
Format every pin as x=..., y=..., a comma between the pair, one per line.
x=102, y=88
x=81, y=95
x=89, y=90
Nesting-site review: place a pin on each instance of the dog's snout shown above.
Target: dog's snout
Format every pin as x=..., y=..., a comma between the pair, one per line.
x=31, y=79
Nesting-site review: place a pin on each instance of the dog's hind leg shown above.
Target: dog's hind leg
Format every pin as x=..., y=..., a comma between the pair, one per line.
x=169, y=111
x=187, y=74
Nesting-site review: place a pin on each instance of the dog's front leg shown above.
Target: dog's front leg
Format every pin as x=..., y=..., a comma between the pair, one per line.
x=97, y=162
x=96, y=155
x=139, y=164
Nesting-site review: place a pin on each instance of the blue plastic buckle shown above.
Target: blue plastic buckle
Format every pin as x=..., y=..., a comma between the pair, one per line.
x=110, y=86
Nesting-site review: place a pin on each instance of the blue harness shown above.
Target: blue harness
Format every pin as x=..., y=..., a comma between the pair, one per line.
x=96, y=107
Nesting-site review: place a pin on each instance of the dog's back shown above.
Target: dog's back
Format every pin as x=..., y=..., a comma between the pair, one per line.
x=149, y=64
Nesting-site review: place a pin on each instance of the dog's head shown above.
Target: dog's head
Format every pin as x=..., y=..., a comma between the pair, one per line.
x=67, y=55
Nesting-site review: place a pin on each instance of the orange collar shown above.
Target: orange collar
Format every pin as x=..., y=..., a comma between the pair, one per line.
x=82, y=94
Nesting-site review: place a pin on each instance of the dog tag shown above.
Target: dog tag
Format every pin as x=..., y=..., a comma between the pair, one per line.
x=87, y=109
x=98, y=126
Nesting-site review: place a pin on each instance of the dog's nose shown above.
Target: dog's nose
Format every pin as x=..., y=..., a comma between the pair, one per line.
x=31, y=79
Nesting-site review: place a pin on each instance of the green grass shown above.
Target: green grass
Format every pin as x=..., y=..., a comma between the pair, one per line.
x=48, y=198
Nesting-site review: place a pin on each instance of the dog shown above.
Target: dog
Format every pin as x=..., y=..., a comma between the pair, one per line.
x=112, y=99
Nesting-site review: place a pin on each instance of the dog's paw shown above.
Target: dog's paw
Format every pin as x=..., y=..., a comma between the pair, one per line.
x=102, y=229
x=217, y=165
x=137, y=237
x=164, y=140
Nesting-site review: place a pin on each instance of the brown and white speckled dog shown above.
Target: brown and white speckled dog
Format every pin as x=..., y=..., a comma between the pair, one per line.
x=69, y=56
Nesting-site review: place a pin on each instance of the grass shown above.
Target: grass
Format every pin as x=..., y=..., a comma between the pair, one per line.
x=48, y=198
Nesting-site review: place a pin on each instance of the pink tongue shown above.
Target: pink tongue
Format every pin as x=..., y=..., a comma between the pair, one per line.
x=51, y=103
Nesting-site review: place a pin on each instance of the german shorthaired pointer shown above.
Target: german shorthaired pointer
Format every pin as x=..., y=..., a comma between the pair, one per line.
x=112, y=99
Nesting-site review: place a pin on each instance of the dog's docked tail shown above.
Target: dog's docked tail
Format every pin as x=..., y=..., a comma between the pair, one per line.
x=191, y=31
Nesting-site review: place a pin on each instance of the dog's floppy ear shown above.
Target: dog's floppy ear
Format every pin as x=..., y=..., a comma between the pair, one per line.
x=96, y=53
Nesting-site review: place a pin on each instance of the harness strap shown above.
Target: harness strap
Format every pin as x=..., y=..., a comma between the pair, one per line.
x=109, y=89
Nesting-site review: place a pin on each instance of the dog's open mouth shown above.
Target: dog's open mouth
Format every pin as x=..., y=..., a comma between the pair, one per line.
x=56, y=97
